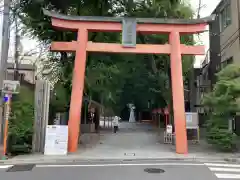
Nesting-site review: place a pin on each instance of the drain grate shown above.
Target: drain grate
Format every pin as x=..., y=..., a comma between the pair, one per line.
x=21, y=167
x=154, y=170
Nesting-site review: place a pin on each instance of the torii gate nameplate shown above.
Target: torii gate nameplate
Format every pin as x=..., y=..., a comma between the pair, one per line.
x=129, y=32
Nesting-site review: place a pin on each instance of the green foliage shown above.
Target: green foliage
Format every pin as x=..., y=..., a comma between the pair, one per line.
x=117, y=79
x=21, y=122
x=222, y=103
x=222, y=139
x=59, y=98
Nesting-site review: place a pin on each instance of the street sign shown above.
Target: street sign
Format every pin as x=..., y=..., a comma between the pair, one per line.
x=129, y=32
x=11, y=87
x=5, y=98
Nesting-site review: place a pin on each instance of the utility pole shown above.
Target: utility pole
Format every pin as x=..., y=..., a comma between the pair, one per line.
x=4, y=57
x=199, y=8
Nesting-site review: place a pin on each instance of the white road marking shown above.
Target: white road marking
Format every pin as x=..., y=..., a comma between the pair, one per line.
x=228, y=176
x=114, y=165
x=225, y=171
x=222, y=165
x=5, y=166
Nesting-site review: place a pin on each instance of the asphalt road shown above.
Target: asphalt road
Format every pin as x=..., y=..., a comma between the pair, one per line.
x=172, y=170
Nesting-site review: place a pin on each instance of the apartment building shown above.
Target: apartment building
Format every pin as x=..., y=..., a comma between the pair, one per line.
x=224, y=37
x=224, y=49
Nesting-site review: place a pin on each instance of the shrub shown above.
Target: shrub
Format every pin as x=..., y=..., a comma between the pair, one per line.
x=222, y=105
x=21, y=122
x=223, y=139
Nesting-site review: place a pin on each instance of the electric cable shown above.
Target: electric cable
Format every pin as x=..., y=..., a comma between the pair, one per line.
x=229, y=43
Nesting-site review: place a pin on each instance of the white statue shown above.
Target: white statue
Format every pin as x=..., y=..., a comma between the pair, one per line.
x=132, y=116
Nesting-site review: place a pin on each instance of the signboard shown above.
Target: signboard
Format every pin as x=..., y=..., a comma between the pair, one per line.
x=192, y=121
x=7, y=98
x=188, y=118
x=56, y=140
x=169, y=129
x=129, y=32
x=11, y=87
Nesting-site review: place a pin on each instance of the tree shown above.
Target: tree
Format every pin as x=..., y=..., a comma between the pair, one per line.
x=109, y=75
x=222, y=103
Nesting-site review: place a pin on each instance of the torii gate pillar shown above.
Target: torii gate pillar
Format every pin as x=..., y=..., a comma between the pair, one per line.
x=148, y=26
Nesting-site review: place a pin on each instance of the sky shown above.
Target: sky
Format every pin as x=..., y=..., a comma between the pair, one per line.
x=206, y=10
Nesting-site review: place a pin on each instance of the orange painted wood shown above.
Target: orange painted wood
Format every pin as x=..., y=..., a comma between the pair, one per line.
x=77, y=91
x=143, y=49
x=64, y=46
x=178, y=94
x=118, y=48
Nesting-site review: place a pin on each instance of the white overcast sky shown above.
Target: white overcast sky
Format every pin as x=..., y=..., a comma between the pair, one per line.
x=206, y=10
x=208, y=7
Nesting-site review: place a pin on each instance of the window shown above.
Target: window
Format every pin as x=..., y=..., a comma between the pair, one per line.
x=225, y=17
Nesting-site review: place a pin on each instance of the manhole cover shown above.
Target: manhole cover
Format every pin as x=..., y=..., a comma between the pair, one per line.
x=21, y=167
x=129, y=154
x=154, y=170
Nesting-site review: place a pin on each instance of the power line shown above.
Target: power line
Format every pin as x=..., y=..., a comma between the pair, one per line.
x=229, y=43
x=230, y=36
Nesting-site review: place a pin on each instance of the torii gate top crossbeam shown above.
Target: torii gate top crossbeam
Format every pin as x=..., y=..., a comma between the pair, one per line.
x=144, y=25
x=139, y=20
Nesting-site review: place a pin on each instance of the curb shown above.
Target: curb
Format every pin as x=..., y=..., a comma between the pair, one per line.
x=53, y=161
x=233, y=160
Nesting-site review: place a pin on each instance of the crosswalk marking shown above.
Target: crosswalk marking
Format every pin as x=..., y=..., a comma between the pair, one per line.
x=228, y=176
x=5, y=166
x=224, y=171
x=222, y=165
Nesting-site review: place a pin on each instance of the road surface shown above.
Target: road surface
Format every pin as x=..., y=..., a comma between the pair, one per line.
x=119, y=170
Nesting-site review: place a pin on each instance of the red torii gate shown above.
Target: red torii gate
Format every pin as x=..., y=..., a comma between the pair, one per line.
x=83, y=25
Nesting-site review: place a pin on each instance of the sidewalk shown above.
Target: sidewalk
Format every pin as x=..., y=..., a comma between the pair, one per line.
x=132, y=142
x=119, y=148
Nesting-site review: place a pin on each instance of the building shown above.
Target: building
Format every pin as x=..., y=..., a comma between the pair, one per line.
x=26, y=72
x=224, y=36
x=27, y=69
